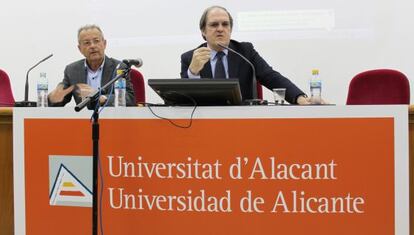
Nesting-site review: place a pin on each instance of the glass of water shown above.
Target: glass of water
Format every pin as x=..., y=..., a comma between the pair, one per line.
x=279, y=94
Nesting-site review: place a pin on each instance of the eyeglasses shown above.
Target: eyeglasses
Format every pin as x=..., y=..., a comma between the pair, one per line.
x=224, y=24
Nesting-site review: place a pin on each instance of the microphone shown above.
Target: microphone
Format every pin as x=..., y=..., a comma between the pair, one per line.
x=26, y=102
x=255, y=100
x=135, y=62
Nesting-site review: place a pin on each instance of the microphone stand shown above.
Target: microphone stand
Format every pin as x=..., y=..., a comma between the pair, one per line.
x=255, y=100
x=26, y=102
x=92, y=102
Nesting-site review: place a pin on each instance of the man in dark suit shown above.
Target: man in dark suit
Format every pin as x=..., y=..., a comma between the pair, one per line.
x=83, y=77
x=208, y=60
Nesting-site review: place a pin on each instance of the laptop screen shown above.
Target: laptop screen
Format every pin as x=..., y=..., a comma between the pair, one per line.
x=203, y=92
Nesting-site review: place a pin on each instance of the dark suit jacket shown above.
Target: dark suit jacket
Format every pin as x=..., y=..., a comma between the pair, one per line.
x=76, y=73
x=238, y=68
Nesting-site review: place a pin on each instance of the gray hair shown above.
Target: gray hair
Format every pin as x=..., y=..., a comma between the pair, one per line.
x=203, y=19
x=88, y=27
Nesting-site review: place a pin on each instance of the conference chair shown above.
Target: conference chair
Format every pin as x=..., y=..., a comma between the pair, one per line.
x=379, y=86
x=259, y=89
x=6, y=94
x=138, y=84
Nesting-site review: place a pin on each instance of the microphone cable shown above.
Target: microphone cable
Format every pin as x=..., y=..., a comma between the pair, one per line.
x=107, y=100
x=100, y=173
x=100, y=193
x=149, y=105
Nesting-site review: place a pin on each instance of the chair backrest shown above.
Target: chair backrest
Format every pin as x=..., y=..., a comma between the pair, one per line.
x=380, y=86
x=259, y=90
x=138, y=84
x=6, y=94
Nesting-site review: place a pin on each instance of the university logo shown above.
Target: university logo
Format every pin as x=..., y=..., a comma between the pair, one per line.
x=70, y=181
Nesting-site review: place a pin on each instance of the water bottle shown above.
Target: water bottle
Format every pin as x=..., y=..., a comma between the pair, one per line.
x=42, y=90
x=120, y=90
x=315, y=87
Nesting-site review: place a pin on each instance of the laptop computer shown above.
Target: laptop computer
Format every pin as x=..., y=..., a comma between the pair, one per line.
x=200, y=92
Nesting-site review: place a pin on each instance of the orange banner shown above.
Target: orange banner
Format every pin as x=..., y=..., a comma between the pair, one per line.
x=221, y=176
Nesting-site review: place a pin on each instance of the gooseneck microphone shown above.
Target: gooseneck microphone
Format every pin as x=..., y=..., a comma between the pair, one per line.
x=255, y=100
x=135, y=62
x=26, y=102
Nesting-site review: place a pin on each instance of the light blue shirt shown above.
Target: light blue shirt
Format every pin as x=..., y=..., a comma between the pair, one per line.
x=94, y=78
x=213, y=61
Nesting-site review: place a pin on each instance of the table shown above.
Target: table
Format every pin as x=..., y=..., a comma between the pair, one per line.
x=6, y=169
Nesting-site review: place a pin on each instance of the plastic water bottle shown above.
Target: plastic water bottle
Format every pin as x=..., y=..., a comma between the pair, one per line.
x=315, y=87
x=42, y=90
x=120, y=90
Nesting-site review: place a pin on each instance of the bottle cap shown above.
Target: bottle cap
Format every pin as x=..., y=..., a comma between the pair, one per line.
x=315, y=71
